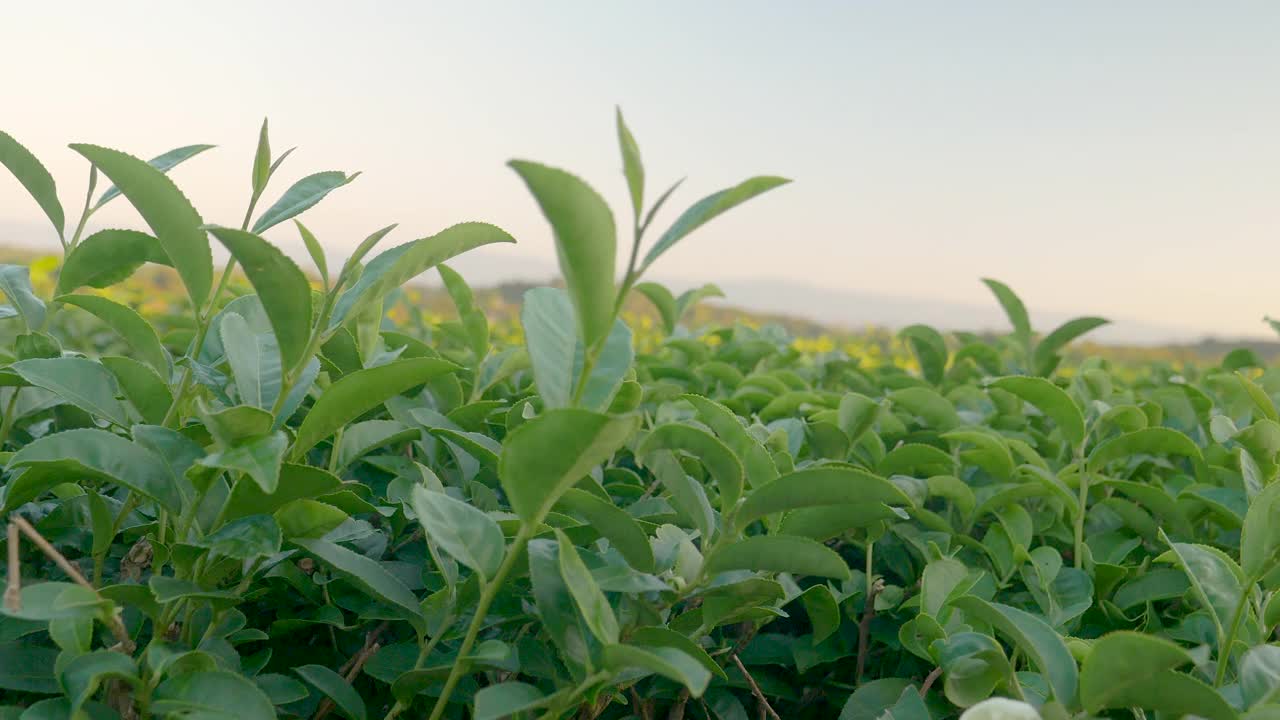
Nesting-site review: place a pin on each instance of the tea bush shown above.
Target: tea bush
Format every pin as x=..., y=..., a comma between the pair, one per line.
x=280, y=503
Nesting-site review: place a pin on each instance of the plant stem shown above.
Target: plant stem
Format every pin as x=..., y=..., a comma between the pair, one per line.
x=6, y=423
x=765, y=707
x=482, y=608
x=1078, y=560
x=423, y=654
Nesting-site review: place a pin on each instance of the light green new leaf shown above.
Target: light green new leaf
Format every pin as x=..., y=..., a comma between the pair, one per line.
x=1260, y=675
x=1013, y=309
x=1151, y=441
x=261, y=161
x=1217, y=580
x=1132, y=670
x=939, y=579
x=929, y=405
x=632, y=168
x=315, y=250
x=137, y=332
x=303, y=518
x=260, y=459
x=719, y=460
x=336, y=688
x=466, y=533
x=393, y=268
x=1037, y=640
x=1046, y=354
x=367, y=574
x=15, y=282
x=212, y=695
x=707, y=209
x=108, y=257
x=819, y=487
x=246, y=538
x=301, y=196
x=501, y=700
x=778, y=553
x=930, y=349
x=623, y=532
x=533, y=478
x=973, y=665
x=590, y=600
x=168, y=213
x=283, y=288
x=548, y=320
x=144, y=388
x=663, y=301
x=296, y=482
x=586, y=243
x=1049, y=399
x=665, y=661
x=34, y=177
x=359, y=392
x=163, y=162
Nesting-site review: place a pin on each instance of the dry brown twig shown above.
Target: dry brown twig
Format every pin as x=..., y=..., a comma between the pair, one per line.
x=124, y=643
x=928, y=681
x=765, y=707
x=864, y=627
x=13, y=589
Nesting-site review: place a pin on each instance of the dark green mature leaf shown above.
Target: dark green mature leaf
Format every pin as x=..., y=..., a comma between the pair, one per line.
x=469, y=535
x=364, y=573
x=665, y=661
x=707, y=209
x=283, y=288
x=1260, y=675
x=34, y=177
x=1152, y=441
x=212, y=695
x=138, y=333
x=259, y=458
x=246, y=538
x=296, y=482
x=361, y=391
x=301, y=196
x=505, y=699
x=83, y=383
x=108, y=257
x=778, y=553
x=336, y=688
x=25, y=668
x=973, y=665
x=95, y=453
x=534, y=479
x=168, y=213
x=393, y=268
x=163, y=162
x=586, y=243
x=1035, y=638
x=84, y=674
x=1216, y=579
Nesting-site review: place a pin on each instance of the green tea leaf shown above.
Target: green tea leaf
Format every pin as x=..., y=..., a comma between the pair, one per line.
x=366, y=574
x=817, y=487
x=163, y=162
x=778, y=553
x=707, y=209
x=300, y=197
x=138, y=333
x=96, y=453
x=591, y=602
x=212, y=695
x=15, y=282
x=108, y=257
x=336, y=688
x=1034, y=637
x=469, y=535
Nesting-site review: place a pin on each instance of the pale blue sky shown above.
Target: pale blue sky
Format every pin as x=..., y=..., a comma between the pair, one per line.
x=1109, y=158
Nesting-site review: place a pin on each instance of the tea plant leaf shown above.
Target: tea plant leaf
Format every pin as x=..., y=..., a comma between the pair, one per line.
x=587, y=596
x=315, y=250
x=336, y=688
x=83, y=383
x=284, y=290
x=93, y=452
x=360, y=392
x=138, y=333
x=586, y=243
x=548, y=320
x=108, y=257
x=534, y=479
x=469, y=535
x=818, y=487
x=259, y=458
x=1215, y=578
x=15, y=282
x=142, y=387
x=220, y=694
x=368, y=575
x=502, y=700
x=163, y=162
x=719, y=460
x=27, y=668
x=707, y=209
x=1013, y=309
x=1260, y=536
x=34, y=177
x=665, y=661
x=168, y=213
x=84, y=674
x=261, y=161
x=1035, y=638
x=300, y=197
x=613, y=523
x=1260, y=675
x=1049, y=399
x=778, y=553
x=663, y=301
x=632, y=168
x=393, y=268
x=1128, y=669
x=974, y=665
x=1046, y=357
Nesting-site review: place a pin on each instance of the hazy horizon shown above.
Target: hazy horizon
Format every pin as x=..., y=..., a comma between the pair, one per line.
x=1100, y=159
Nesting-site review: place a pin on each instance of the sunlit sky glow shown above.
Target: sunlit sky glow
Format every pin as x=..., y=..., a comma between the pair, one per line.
x=1106, y=158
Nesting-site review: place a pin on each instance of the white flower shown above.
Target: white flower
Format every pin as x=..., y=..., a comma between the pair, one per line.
x=1001, y=709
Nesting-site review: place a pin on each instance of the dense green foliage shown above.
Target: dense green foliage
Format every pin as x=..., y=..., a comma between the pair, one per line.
x=285, y=504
